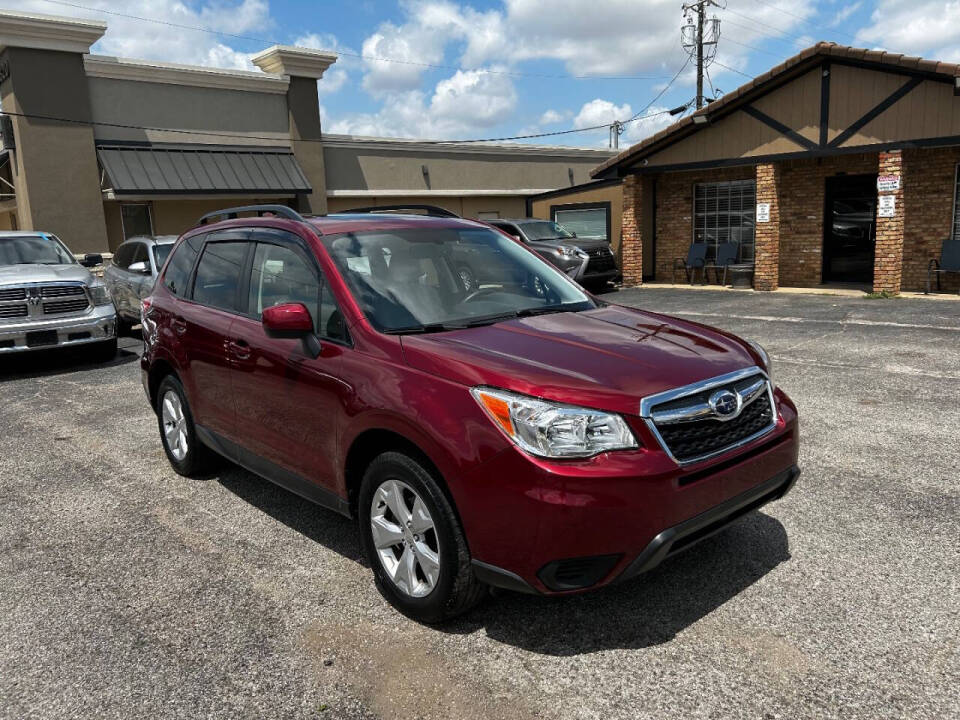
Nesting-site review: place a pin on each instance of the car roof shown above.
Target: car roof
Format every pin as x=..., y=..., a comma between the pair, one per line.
x=23, y=233
x=520, y=221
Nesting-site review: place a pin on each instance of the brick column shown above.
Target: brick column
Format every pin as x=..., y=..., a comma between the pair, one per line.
x=888, y=259
x=766, y=274
x=631, y=247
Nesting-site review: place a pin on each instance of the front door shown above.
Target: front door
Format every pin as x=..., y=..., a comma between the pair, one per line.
x=850, y=229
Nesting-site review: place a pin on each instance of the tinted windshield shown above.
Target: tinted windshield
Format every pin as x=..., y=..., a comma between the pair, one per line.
x=160, y=254
x=34, y=249
x=413, y=280
x=545, y=230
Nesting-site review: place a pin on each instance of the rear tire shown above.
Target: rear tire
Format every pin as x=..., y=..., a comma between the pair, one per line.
x=440, y=582
x=187, y=455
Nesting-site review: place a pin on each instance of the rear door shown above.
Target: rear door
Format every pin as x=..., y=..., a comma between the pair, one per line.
x=288, y=404
x=204, y=322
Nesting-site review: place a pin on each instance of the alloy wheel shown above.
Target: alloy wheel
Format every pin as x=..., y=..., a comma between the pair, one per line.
x=174, y=425
x=405, y=538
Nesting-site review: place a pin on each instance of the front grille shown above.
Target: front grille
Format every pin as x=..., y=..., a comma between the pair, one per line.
x=65, y=306
x=13, y=311
x=704, y=436
x=13, y=294
x=56, y=291
x=601, y=264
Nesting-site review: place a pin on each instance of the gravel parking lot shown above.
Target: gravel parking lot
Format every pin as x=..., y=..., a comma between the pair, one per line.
x=128, y=591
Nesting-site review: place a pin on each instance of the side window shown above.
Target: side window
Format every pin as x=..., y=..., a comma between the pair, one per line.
x=281, y=275
x=218, y=274
x=122, y=257
x=178, y=271
x=140, y=253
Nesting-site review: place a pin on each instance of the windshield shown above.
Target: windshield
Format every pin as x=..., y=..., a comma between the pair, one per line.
x=161, y=253
x=546, y=230
x=34, y=249
x=423, y=280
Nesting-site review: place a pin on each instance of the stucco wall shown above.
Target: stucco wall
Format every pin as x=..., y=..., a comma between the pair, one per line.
x=246, y=118
x=469, y=207
x=612, y=194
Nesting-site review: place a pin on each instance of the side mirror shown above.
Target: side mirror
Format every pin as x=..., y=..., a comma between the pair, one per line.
x=140, y=267
x=92, y=260
x=291, y=321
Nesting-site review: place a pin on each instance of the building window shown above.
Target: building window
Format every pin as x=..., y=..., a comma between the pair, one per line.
x=488, y=215
x=136, y=220
x=590, y=221
x=724, y=212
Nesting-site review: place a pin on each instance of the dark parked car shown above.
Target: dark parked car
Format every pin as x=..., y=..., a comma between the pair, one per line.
x=525, y=435
x=131, y=274
x=590, y=262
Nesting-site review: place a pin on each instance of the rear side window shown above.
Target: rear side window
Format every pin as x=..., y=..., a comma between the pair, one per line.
x=178, y=271
x=140, y=253
x=122, y=257
x=218, y=274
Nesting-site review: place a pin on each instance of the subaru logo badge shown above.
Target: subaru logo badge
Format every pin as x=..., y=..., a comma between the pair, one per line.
x=725, y=404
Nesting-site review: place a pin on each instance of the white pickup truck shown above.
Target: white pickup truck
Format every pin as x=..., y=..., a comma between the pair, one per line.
x=48, y=299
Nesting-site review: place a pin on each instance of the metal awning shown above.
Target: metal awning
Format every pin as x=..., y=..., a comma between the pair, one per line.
x=181, y=170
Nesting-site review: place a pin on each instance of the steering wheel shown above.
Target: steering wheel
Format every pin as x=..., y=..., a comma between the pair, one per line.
x=478, y=293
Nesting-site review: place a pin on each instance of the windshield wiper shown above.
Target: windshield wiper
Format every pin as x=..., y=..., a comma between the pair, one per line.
x=425, y=328
x=525, y=312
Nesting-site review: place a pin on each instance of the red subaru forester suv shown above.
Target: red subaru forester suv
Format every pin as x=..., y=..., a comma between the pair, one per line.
x=520, y=434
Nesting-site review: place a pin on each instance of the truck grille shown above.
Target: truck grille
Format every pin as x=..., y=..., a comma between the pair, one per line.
x=64, y=306
x=57, y=291
x=13, y=311
x=691, y=430
x=13, y=294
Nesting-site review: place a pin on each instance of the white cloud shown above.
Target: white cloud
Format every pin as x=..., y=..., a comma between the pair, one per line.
x=604, y=112
x=552, y=117
x=915, y=27
x=127, y=37
x=460, y=106
x=337, y=75
x=844, y=13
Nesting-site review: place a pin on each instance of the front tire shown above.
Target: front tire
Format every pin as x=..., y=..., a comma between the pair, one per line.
x=414, y=542
x=187, y=455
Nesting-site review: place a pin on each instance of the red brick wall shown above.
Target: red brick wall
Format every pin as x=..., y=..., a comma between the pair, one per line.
x=928, y=190
x=675, y=212
x=631, y=246
x=803, y=185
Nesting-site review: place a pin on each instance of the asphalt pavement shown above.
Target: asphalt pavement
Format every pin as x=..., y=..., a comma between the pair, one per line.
x=129, y=591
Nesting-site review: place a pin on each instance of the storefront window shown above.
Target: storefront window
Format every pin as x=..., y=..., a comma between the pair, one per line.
x=587, y=223
x=724, y=212
x=136, y=220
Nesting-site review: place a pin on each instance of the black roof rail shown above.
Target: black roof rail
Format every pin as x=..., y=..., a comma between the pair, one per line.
x=231, y=213
x=430, y=210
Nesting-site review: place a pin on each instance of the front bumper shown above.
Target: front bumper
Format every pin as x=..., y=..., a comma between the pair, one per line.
x=96, y=325
x=555, y=527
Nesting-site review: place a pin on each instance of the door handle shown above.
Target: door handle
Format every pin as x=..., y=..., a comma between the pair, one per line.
x=240, y=349
x=179, y=325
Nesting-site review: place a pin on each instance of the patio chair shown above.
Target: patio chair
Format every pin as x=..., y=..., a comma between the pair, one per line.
x=726, y=256
x=696, y=259
x=949, y=261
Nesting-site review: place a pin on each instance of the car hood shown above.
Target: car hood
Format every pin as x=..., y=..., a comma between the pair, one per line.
x=608, y=358
x=23, y=274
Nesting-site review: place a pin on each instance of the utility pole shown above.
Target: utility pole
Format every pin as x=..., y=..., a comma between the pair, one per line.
x=700, y=39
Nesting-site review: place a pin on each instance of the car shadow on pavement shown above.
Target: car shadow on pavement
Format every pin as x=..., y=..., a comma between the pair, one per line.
x=39, y=363
x=330, y=529
x=643, y=612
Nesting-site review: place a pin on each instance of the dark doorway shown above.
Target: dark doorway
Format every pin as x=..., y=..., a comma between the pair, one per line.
x=850, y=228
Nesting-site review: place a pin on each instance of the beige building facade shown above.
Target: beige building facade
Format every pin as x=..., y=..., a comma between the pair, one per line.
x=97, y=149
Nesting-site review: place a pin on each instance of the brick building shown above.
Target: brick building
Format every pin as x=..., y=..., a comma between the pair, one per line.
x=837, y=167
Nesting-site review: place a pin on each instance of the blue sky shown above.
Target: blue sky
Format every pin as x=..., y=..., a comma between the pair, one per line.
x=487, y=69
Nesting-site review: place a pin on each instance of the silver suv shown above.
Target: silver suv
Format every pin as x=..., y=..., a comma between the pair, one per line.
x=48, y=299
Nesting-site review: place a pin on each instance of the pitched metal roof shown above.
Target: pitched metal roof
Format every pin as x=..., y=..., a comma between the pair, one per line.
x=771, y=79
x=192, y=169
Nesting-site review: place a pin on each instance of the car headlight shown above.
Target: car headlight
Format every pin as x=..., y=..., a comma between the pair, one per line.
x=99, y=293
x=553, y=430
x=764, y=358
x=567, y=252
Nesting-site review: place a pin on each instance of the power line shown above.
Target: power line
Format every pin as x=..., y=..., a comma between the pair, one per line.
x=727, y=67
x=376, y=58
x=805, y=21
